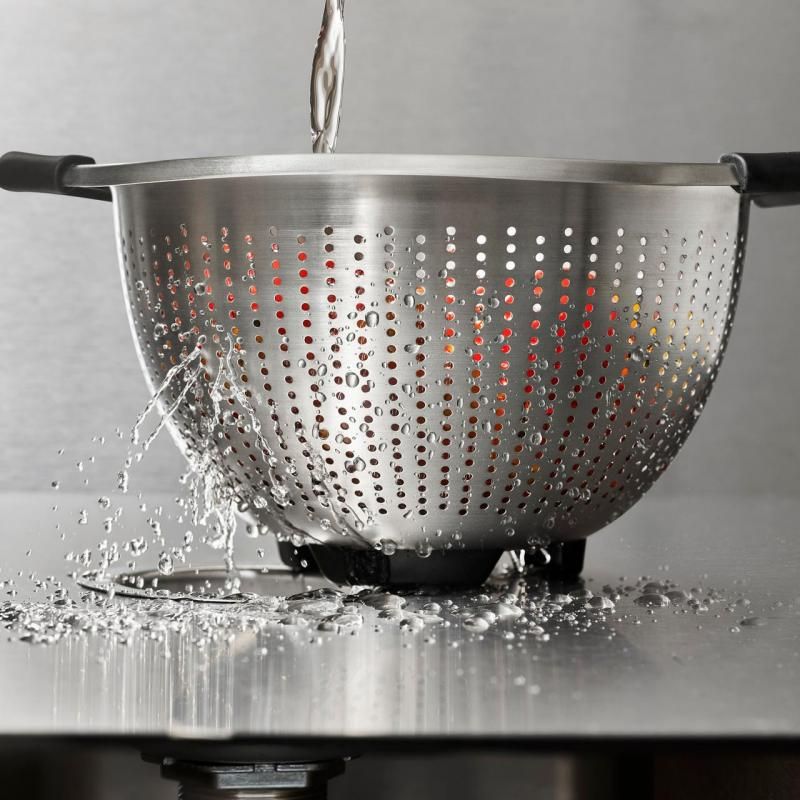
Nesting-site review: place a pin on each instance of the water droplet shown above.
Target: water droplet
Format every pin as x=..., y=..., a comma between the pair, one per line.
x=388, y=547
x=475, y=624
x=351, y=379
x=412, y=623
x=348, y=621
x=603, y=603
x=424, y=549
x=356, y=465
x=383, y=601
x=137, y=546
x=677, y=596
x=652, y=600
x=280, y=494
x=166, y=565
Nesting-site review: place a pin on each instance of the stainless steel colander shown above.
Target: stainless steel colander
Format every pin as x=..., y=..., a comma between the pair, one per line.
x=430, y=354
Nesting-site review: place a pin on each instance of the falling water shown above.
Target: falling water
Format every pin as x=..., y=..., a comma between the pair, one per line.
x=327, y=78
x=212, y=498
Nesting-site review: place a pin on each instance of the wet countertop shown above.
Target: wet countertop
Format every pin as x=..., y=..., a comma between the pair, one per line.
x=726, y=666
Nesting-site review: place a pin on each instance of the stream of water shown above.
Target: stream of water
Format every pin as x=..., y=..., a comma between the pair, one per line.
x=327, y=78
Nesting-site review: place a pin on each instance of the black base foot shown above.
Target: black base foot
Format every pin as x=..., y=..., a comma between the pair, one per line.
x=565, y=559
x=405, y=567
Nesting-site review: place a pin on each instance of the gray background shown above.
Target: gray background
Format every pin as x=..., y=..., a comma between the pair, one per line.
x=616, y=79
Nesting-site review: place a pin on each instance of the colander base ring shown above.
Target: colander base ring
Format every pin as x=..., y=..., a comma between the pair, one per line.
x=405, y=568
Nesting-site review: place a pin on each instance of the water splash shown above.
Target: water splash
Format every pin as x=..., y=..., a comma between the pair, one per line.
x=177, y=372
x=509, y=607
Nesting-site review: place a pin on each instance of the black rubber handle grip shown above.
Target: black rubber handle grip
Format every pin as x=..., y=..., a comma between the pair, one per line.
x=769, y=179
x=29, y=172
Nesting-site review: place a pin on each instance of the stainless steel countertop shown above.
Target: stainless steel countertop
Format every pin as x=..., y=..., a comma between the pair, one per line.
x=661, y=677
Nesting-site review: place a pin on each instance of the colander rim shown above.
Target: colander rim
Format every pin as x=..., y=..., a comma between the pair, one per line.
x=516, y=168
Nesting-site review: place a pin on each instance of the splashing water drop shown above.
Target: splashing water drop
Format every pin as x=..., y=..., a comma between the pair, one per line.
x=387, y=546
x=122, y=481
x=137, y=546
x=424, y=549
x=166, y=565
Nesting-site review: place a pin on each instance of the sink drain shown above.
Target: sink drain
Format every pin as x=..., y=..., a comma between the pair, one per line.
x=203, y=585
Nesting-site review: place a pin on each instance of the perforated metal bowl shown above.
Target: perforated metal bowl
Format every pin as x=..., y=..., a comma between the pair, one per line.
x=441, y=353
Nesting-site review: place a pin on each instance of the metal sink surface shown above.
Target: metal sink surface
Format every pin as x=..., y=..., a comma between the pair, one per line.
x=638, y=673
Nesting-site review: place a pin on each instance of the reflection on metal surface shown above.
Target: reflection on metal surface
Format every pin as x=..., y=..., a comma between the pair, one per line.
x=283, y=682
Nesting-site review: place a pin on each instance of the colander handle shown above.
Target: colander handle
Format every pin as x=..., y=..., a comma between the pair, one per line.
x=29, y=172
x=768, y=179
